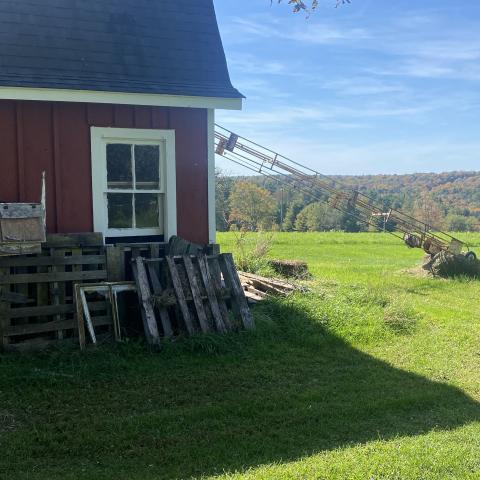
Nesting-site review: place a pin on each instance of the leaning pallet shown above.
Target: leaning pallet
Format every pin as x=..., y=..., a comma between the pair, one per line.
x=189, y=294
x=37, y=291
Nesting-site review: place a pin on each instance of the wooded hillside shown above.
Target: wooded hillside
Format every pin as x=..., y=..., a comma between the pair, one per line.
x=448, y=200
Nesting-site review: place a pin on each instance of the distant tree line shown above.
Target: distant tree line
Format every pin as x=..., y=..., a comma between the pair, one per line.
x=449, y=201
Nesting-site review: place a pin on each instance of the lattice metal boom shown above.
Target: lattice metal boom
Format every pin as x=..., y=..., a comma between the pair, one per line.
x=325, y=189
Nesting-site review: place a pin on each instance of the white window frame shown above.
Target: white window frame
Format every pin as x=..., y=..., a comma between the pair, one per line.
x=100, y=137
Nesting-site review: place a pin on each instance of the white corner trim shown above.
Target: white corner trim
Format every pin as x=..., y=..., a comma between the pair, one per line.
x=90, y=96
x=212, y=224
x=99, y=139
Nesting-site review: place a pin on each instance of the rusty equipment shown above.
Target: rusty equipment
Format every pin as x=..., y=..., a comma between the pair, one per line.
x=414, y=232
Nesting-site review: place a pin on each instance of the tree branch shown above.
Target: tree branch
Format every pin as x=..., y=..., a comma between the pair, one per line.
x=308, y=6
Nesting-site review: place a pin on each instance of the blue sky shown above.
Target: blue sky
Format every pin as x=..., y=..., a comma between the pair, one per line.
x=372, y=87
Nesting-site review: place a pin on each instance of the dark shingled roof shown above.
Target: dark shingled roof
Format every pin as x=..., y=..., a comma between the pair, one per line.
x=138, y=46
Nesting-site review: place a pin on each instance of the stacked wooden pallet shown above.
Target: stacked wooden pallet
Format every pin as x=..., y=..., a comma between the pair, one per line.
x=189, y=294
x=37, y=291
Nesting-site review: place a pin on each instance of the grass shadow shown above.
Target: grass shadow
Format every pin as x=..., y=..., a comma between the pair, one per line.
x=211, y=404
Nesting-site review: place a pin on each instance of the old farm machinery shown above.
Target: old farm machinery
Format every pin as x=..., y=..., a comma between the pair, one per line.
x=439, y=245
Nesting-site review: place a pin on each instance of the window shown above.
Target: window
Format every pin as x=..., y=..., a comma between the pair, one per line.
x=133, y=178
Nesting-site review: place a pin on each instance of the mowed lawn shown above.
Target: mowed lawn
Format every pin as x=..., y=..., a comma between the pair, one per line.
x=374, y=374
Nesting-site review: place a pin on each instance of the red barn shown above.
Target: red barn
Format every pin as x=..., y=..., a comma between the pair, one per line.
x=115, y=100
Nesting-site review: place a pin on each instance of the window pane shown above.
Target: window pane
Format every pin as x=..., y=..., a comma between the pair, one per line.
x=146, y=210
x=120, y=210
x=119, y=166
x=147, y=166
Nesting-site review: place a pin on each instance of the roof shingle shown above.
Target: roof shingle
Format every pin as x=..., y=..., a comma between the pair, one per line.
x=135, y=46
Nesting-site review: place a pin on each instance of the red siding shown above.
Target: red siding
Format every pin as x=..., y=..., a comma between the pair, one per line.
x=55, y=137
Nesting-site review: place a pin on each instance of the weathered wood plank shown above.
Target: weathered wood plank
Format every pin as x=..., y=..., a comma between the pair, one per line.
x=115, y=264
x=59, y=240
x=19, y=248
x=215, y=275
x=4, y=323
x=46, y=310
x=196, y=294
x=87, y=317
x=79, y=317
x=13, y=297
x=232, y=281
x=144, y=294
x=210, y=289
x=55, y=325
x=48, y=261
x=57, y=290
x=21, y=210
x=7, y=279
x=162, y=311
x=177, y=285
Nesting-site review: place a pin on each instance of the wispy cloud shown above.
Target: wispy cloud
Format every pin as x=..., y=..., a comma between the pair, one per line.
x=313, y=33
x=378, y=87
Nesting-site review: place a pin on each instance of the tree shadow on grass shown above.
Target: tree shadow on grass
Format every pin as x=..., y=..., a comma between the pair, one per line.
x=288, y=390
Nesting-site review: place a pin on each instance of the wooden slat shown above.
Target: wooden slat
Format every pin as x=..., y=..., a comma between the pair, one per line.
x=23, y=248
x=238, y=295
x=41, y=311
x=196, y=294
x=48, y=260
x=87, y=317
x=157, y=290
x=13, y=297
x=21, y=210
x=115, y=264
x=144, y=294
x=52, y=277
x=4, y=323
x=58, y=240
x=215, y=275
x=4, y=314
x=57, y=290
x=179, y=293
x=45, y=310
x=209, y=288
x=33, y=328
x=79, y=317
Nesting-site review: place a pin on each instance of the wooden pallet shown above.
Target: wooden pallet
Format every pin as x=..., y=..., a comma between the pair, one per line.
x=185, y=295
x=37, y=291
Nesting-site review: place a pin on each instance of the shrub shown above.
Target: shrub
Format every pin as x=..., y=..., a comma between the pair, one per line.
x=251, y=250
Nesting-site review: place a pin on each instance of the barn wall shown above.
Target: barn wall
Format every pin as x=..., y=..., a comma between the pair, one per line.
x=55, y=137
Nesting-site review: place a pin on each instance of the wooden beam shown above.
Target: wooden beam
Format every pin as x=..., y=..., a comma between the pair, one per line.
x=232, y=281
x=8, y=279
x=209, y=288
x=144, y=294
x=177, y=285
x=196, y=294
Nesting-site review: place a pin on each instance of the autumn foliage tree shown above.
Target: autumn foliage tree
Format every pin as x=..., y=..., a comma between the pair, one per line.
x=427, y=210
x=252, y=207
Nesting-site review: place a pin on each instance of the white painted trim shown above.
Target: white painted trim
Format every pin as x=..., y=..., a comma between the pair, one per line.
x=212, y=223
x=99, y=139
x=90, y=96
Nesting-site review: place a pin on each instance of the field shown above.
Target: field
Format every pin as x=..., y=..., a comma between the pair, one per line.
x=374, y=374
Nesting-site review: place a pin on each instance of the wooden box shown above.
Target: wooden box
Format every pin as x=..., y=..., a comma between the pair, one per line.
x=22, y=228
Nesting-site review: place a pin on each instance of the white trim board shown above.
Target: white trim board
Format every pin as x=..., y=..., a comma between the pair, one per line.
x=99, y=139
x=212, y=223
x=119, y=98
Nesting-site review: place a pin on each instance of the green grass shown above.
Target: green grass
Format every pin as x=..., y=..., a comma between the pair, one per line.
x=372, y=375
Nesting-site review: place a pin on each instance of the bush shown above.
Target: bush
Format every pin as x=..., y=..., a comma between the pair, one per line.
x=251, y=250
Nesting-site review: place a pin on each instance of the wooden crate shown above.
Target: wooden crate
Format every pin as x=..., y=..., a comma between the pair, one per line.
x=37, y=291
